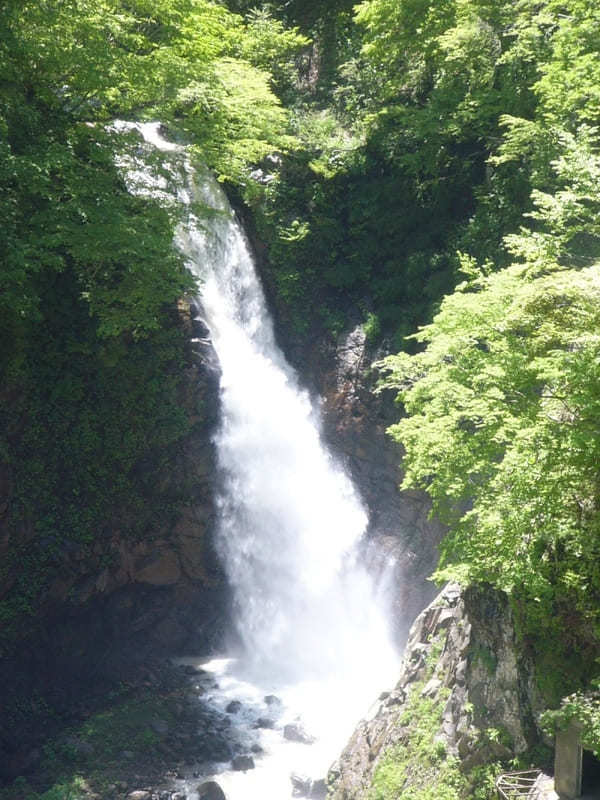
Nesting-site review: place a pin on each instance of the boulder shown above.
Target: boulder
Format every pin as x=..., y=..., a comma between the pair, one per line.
x=264, y=722
x=273, y=701
x=300, y=785
x=318, y=789
x=242, y=763
x=295, y=732
x=210, y=790
x=233, y=707
x=303, y=786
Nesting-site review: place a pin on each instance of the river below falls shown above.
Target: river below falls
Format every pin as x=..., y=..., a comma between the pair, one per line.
x=260, y=722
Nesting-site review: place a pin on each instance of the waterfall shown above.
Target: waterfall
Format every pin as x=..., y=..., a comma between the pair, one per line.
x=290, y=519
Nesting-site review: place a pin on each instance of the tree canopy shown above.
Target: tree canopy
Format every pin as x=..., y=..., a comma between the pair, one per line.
x=501, y=427
x=71, y=66
x=500, y=397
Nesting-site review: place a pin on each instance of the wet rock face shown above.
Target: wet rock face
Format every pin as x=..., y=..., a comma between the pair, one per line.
x=462, y=654
x=242, y=763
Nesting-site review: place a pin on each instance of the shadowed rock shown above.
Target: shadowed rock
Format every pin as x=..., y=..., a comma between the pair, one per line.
x=210, y=790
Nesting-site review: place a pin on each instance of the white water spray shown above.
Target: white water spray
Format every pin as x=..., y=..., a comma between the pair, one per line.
x=290, y=519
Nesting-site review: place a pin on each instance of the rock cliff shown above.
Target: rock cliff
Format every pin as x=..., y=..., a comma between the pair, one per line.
x=113, y=611
x=465, y=698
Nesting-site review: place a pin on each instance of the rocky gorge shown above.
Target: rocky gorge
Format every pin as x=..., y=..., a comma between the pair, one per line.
x=116, y=614
x=112, y=613
x=418, y=183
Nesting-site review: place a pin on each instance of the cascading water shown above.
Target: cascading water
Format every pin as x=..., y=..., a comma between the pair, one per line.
x=312, y=631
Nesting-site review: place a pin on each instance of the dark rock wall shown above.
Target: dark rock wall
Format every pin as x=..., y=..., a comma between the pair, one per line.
x=115, y=612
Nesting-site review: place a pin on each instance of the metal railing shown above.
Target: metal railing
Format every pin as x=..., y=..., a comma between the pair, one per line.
x=513, y=785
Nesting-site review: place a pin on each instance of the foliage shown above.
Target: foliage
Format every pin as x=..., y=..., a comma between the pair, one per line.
x=250, y=123
x=400, y=180
x=420, y=769
x=273, y=47
x=86, y=760
x=501, y=400
x=336, y=197
x=584, y=710
x=433, y=107
x=501, y=429
x=64, y=199
x=63, y=202
x=447, y=129
x=372, y=328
